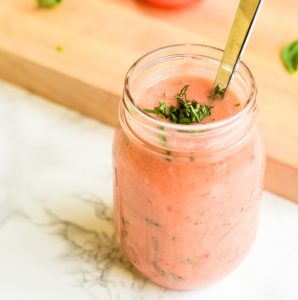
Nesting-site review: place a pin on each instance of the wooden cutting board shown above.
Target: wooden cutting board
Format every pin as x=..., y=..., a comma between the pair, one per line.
x=77, y=54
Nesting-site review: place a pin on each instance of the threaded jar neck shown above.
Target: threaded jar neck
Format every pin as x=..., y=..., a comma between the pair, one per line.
x=192, y=59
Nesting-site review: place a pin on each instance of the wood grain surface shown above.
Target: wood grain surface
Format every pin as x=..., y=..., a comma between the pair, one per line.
x=100, y=39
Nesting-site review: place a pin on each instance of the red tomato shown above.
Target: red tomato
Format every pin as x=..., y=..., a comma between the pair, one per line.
x=170, y=3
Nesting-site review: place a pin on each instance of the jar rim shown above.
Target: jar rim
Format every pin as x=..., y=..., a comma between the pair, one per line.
x=249, y=106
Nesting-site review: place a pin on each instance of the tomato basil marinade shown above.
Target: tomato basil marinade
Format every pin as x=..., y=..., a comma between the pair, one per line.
x=186, y=214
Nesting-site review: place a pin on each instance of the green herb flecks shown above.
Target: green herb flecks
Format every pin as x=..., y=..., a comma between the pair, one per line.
x=237, y=104
x=154, y=243
x=162, y=139
x=177, y=277
x=126, y=140
x=48, y=3
x=192, y=158
x=168, y=153
x=290, y=57
x=124, y=233
x=217, y=92
x=187, y=112
x=151, y=222
x=124, y=222
x=192, y=260
x=161, y=272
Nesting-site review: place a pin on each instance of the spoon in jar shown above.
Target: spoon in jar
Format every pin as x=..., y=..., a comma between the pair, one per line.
x=242, y=26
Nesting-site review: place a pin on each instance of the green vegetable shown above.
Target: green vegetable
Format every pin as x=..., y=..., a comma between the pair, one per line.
x=290, y=57
x=48, y=3
x=187, y=112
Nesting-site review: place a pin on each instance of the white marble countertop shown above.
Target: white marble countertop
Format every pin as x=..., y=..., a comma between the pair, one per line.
x=56, y=230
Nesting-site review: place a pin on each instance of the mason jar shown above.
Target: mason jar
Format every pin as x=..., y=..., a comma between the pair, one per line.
x=186, y=211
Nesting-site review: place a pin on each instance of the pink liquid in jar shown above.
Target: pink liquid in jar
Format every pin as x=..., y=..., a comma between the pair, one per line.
x=187, y=200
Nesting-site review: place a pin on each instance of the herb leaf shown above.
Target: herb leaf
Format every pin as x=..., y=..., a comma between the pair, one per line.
x=151, y=222
x=290, y=57
x=182, y=92
x=192, y=260
x=155, y=243
x=48, y=3
x=217, y=91
x=187, y=112
x=159, y=270
x=177, y=277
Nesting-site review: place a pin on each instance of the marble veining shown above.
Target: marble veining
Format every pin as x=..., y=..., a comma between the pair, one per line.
x=96, y=251
x=57, y=239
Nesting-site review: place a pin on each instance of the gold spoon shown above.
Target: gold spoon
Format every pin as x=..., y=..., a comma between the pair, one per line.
x=243, y=23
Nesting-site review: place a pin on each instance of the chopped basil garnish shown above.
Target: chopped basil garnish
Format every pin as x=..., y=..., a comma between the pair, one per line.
x=151, y=222
x=192, y=260
x=124, y=233
x=187, y=112
x=161, y=272
x=290, y=57
x=177, y=277
x=218, y=92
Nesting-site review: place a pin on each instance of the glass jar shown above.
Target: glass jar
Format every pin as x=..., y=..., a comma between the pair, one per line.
x=186, y=211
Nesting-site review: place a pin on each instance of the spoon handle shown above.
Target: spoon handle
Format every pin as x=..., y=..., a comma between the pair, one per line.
x=239, y=35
